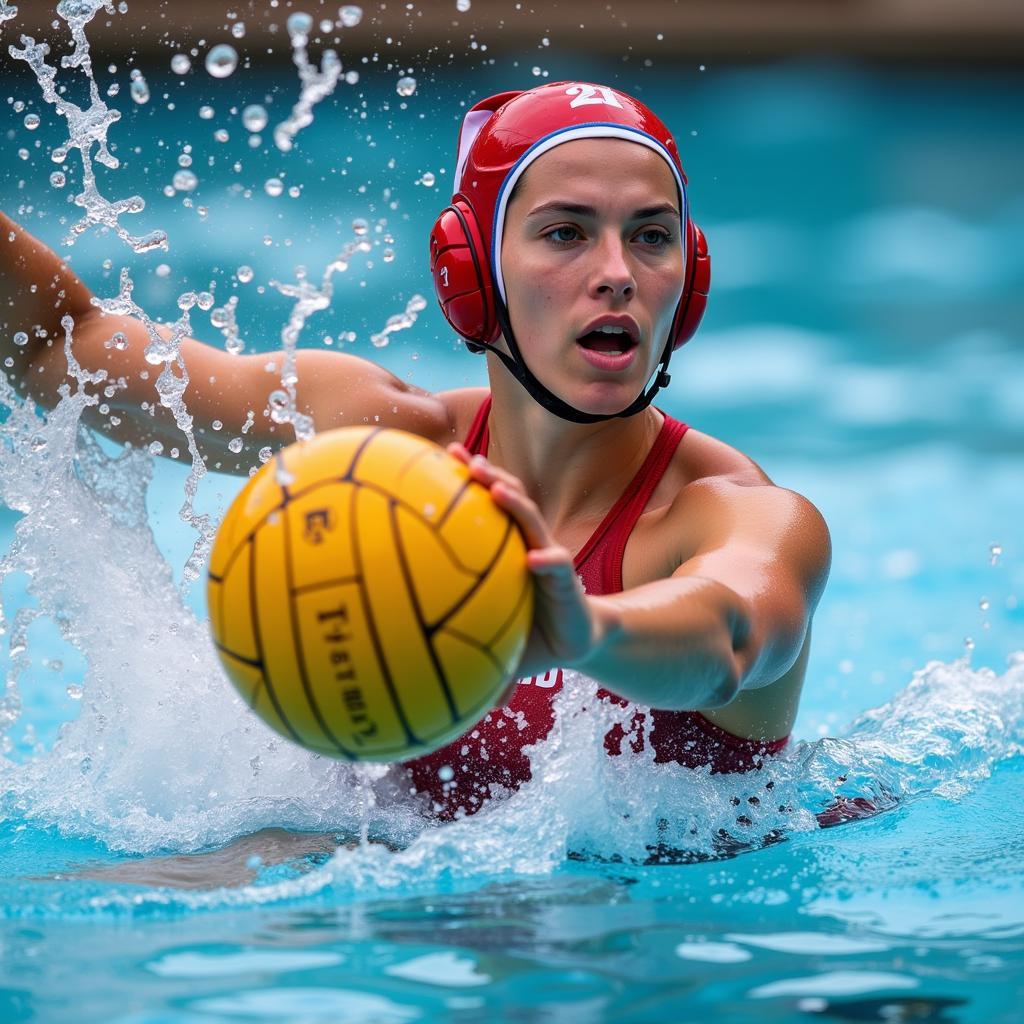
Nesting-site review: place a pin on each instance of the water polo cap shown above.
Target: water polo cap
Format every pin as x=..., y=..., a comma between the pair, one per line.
x=500, y=137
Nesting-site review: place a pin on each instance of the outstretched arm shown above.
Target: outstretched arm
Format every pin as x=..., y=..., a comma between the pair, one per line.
x=38, y=289
x=733, y=617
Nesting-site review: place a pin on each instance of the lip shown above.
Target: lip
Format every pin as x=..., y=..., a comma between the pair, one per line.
x=627, y=323
x=611, y=362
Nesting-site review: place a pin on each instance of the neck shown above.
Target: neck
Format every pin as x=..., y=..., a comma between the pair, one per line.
x=574, y=472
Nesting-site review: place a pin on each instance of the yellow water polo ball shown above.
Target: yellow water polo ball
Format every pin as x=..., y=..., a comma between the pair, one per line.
x=368, y=600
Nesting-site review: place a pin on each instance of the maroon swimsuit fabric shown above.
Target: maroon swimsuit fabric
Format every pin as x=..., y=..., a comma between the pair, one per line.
x=460, y=777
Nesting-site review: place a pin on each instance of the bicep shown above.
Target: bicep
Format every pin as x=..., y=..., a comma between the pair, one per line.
x=770, y=547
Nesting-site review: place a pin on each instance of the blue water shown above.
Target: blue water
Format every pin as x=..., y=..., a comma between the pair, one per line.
x=863, y=343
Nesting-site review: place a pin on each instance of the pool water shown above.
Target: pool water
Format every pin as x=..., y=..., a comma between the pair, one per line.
x=862, y=343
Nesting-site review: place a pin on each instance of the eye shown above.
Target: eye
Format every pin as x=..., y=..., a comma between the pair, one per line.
x=654, y=236
x=563, y=233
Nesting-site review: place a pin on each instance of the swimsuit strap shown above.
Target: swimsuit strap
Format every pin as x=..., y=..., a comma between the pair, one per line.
x=610, y=537
x=479, y=437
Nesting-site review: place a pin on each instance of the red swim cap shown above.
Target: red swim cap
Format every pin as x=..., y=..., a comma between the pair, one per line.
x=500, y=137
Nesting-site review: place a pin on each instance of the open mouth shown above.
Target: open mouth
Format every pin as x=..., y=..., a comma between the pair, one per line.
x=610, y=340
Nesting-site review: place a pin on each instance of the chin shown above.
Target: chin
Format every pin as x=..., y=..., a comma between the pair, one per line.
x=604, y=399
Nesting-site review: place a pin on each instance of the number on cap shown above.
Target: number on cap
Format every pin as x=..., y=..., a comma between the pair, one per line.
x=588, y=94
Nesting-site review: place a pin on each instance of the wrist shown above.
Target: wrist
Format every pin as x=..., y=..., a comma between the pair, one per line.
x=605, y=626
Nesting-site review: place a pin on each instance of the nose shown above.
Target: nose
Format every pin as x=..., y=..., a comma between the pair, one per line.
x=613, y=276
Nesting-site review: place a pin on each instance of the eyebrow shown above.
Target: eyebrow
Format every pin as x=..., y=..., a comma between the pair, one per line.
x=558, y=206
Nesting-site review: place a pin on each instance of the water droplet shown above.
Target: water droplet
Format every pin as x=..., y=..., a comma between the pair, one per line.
x=406, y=86
x=156, y=448
x=222, y=60
x=545, y=41
x=273, y=186
x=445, y=773
x=163, y=270
x=184, y=181
x=984, y=604
x=235, y=445
x=265, y=454
x=31, y=122
x=968, y=643
x=20, y=338
x=206, y=113
x=244, y=274
x=254, y=118
x=428, y=179
x=535, y=71
x=217, y=425
x=416, y=304
x=139, y=88
x=119, y=341
x=238, y=29
x=351, y=77
x=388, y=255
x=57, y=179
x=350, y=15
x=75, y=691
x=180, y=64
x=995, y=552
x=463, y=5
x=299, y=24
x=360, y=227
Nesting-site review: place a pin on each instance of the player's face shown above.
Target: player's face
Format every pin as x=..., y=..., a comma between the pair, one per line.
x=592, y=240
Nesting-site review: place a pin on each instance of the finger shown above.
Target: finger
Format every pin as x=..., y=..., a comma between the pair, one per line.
x=487, y=473
x=459, y=451
x=526, y=514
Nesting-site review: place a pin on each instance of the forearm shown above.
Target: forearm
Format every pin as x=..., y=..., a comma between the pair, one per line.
x=677, y=648
x=36, y=289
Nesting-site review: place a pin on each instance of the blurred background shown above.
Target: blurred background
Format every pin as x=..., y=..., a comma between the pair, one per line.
x=856, y=166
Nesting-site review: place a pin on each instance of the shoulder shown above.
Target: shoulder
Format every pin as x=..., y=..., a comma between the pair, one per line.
x=462, y=405
x=727, y=500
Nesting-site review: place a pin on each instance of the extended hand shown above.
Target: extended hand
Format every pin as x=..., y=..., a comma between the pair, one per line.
x=564, y=628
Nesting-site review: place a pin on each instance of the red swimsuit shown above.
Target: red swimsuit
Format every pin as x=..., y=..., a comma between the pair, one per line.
x=461, y=777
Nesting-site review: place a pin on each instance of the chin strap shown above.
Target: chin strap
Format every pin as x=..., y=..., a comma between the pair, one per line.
x=516, y=365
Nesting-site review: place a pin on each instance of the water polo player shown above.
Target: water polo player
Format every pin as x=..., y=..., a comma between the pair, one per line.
x=669, y=568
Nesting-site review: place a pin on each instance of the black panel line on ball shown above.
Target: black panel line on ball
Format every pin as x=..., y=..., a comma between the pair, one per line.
x=279, y=473
x=479, y=646
x=515, y=611
x=425, y=630
x=341, y=478
x=268, y=685
x=479, y=580
x=251, y=662
x=300, y=654
x=467, y=483
x=372, y=625
x=359, y=453
x=339, y=582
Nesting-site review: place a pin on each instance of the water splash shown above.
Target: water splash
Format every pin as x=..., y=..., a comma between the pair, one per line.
x=316, y=85
x=6, y=12
x=87, y=127
x=309, y=298
x=399, y=321
x=164, y=349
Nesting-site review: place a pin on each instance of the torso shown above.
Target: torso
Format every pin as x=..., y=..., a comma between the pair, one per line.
x=733, y=738
x=661, y=542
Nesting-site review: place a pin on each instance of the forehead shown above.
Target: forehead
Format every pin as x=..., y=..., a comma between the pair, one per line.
x=599, y=172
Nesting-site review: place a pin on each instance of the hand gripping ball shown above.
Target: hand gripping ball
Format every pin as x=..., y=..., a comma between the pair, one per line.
x=367, y=599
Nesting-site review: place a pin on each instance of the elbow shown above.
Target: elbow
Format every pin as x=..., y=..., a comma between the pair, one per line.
x=727, y=684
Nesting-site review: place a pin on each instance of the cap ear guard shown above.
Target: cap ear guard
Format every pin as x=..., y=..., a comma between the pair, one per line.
x=694, y=299
x=462, y=277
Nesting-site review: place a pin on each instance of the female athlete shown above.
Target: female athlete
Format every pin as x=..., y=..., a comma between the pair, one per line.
x=669, y=568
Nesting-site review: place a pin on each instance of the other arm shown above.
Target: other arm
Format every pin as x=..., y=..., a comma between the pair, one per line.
x=37, y=289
